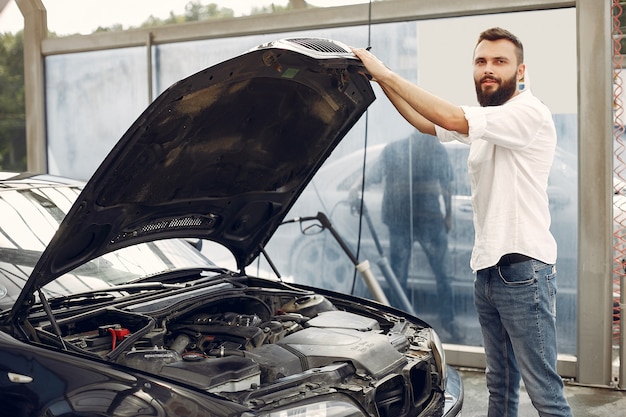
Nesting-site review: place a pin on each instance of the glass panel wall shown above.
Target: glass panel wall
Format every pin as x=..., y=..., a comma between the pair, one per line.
x=93, y=97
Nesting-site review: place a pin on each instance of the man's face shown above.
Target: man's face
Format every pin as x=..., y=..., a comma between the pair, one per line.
x=496, y=72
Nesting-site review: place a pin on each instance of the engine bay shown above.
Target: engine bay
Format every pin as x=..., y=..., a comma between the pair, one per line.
x=259, y=343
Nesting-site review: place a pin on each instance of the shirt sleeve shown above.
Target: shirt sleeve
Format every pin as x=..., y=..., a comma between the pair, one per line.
x=512, y=125
x=449, y=136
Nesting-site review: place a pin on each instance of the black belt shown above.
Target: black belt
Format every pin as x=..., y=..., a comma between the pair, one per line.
x=512, y=258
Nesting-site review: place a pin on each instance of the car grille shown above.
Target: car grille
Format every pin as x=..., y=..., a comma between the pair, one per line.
x=391, y=397
x=421, y=385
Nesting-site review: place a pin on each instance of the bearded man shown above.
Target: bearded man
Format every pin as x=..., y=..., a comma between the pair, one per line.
x=512, y=141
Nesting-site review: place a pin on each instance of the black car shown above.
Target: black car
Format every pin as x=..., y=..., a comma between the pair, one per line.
x=108, y=307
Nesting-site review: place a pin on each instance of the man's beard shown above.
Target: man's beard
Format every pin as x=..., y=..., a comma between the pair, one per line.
x=503, y=92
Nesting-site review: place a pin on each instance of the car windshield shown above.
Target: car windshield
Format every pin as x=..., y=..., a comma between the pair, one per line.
x=30, y=216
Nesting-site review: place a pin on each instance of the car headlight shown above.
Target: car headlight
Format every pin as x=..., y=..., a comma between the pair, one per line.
x=331, y=408
x=440, y=356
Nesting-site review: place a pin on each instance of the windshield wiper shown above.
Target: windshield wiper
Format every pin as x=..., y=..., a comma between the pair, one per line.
x=189, y=274
x=147, y=283
x=104, y=294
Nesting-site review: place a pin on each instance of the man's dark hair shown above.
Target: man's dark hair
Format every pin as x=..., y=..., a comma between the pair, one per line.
x=496, y=33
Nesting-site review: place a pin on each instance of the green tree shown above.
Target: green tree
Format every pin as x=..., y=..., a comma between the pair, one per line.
x=195, y=11
x=273, y=8
x=12, y=109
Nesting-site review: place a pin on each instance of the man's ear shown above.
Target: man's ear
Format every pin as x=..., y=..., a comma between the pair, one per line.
x=521, y=72
x=521, y=77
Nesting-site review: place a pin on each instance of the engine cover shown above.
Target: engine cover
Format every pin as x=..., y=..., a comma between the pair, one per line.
x=369, y=351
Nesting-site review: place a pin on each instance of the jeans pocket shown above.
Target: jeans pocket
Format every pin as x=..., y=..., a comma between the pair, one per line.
x=517, y=275
x=551, y=289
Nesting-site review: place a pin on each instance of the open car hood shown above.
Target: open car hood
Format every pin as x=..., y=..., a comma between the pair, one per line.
x=221, y=155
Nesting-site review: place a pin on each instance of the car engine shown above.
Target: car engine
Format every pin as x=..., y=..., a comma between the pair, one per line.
x=265, y=348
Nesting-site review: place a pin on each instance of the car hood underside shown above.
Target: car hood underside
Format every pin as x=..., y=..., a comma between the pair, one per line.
x=220, y=155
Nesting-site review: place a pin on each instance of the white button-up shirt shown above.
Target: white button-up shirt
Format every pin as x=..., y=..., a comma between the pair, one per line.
x=511, y=151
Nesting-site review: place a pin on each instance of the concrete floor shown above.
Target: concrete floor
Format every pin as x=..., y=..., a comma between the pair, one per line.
x=585, y=401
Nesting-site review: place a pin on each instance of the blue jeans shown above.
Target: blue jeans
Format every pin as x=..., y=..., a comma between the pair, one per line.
x=516, y=307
